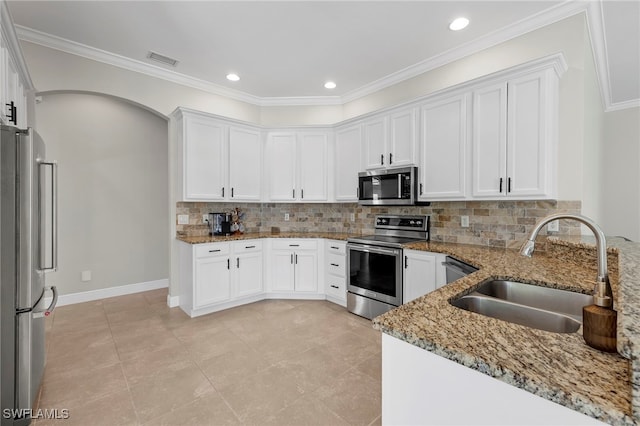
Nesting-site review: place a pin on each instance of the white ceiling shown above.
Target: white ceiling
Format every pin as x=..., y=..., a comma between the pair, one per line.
x=286, y=50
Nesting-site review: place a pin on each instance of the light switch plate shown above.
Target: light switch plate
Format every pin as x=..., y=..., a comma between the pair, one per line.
x=464, y=221
x=205, y=218
x=183, y=219
x=353, y=217
x=553, y=226
x=86, y=276
x=286, y=217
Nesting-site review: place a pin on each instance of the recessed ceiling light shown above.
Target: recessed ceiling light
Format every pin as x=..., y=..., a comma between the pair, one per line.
x=330, y=85
x=233, y=77
x=458, y=24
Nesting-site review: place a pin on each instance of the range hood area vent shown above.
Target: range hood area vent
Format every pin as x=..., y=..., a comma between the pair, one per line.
x=162, y=59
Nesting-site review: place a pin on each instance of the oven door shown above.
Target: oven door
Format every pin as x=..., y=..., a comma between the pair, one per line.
x=375, y=272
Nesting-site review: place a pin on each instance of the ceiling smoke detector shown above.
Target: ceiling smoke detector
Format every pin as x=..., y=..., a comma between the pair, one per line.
x=162, y=59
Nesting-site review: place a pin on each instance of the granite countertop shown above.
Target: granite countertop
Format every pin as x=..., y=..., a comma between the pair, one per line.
x=253, y=235
x=558, y=367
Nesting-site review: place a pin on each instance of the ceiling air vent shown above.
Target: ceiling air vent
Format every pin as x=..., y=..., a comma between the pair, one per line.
x=163, y=59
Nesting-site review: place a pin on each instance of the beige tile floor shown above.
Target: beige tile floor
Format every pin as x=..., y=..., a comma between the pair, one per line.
x=131, y=360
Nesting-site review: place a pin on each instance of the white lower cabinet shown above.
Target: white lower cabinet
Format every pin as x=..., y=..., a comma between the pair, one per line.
x=418, y=388
x=335, y=271
x=294, y=264
x=247, y=261
x=423, y=273
x=220, y=275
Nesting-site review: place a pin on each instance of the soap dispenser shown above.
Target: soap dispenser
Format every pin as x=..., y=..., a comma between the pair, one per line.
x=599, y=321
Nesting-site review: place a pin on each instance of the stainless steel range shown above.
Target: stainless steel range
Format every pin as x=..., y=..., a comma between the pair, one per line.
x=374, y=263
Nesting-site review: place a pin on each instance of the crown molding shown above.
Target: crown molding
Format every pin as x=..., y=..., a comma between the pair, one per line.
x=593, y=10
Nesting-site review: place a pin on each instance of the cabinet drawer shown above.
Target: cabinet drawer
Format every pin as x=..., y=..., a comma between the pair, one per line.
x=216, y=249
x=336, y=287
x=336, y=264
x=247, y=246
x=338, y=247
x=285, y=244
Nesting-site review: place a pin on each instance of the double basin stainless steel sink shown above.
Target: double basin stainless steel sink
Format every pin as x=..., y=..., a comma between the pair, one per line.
x=544, y=308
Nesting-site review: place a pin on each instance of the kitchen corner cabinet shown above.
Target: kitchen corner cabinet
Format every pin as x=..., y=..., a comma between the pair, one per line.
x=294, y=266
x=297, y=166
x=220, y=275
x=443, y=163
x=423, y=273
x=217, y=161
x=347, y=162
x=390, y=140
x=513, y=138
x=335, y=272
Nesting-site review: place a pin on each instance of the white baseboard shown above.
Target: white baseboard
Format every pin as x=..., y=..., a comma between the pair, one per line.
x=104, y=293
x=173, y=301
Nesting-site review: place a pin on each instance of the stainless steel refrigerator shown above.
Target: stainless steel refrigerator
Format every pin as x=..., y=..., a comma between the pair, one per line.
x=28, y=240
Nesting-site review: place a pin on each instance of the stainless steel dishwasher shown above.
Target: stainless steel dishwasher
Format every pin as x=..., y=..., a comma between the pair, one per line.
x=457, y=269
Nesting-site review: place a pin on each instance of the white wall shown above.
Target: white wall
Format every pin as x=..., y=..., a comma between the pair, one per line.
x=621, y=177
x=593, y=148
x=113, y=190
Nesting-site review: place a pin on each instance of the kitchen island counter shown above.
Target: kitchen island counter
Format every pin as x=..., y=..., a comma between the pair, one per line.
x=558, y=367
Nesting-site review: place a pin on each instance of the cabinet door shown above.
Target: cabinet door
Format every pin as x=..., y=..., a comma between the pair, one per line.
x=419, y=275
x=347, y=163
x=444, y=144
x=490, y=141
x=282, y=262
x=245, y=164
x=281, y=157
x=248, y=273
x=403, y=138
x=312, y=166
x=375, y=143
x=306, y=271
x=205, y=159
x=527, y=136
x=212, y=281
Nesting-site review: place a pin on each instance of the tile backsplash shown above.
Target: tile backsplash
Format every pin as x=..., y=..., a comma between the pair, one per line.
x=491, y=223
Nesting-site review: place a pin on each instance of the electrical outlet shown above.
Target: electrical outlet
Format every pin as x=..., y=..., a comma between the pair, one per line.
x=286, y=217
x=183, y=219
x=86, y=276
x=553, y=226
x=352, y=216
x=205, y=218
x=464, y=221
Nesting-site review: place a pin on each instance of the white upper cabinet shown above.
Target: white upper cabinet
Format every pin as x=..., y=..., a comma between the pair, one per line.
x=245, y=164
x=217, y=160
x=403, y=139
x=443, y=163
x=347, y=162
x=14, y=78
x=375, y=143
x=390, y=140
x=297, y=166
x=312, y=162
x=281, y=159
x=205, y=159
x=514, y=138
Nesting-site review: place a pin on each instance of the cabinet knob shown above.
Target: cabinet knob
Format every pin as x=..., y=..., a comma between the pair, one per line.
x=508, y=184
x=382, y=159
x=500, y=189
x=334, y=286
x=390, y=158
x=335, y=264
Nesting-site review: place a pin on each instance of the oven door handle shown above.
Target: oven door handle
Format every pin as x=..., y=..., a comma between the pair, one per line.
x=373, y=249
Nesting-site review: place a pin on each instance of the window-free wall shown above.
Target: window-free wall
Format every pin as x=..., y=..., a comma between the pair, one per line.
x=113, y=180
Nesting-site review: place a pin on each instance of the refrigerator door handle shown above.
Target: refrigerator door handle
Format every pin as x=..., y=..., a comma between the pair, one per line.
x=44, y=265
x=46, y=312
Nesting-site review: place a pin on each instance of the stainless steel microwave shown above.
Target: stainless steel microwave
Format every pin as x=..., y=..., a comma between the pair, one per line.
x=391, y=187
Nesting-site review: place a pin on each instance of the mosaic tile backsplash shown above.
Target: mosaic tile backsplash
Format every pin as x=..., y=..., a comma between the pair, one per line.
x=491, y=223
